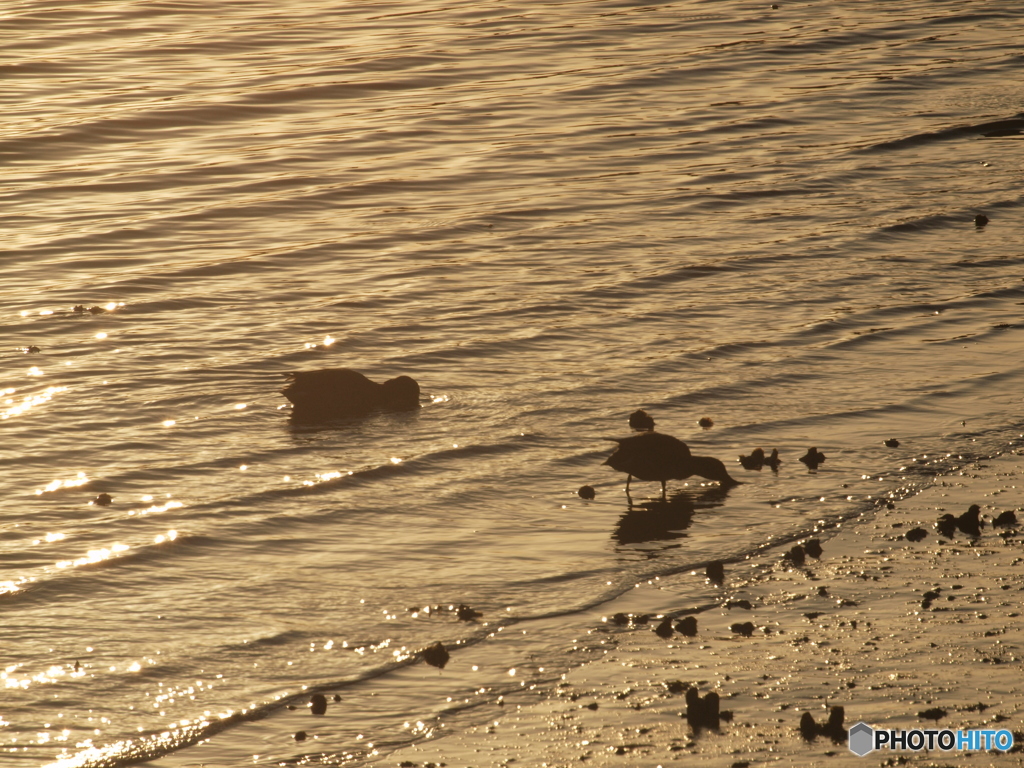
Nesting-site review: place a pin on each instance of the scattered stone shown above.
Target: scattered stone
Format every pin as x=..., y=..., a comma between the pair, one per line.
x=754, y=461
x=746, y=604
x=746, y=628
x=813, y=458
x=465, y=613
x=715, y=571
x=813, y=548
x=621, y=619
x=436, y=655
x=980, y=220
x=337, y=697
x=96, y=310
x=1006, y=518
x=706, y=423
x=677, y=686
x=640, y=618
x=33, y=350
x=104, y=499
x=317, y=703
x=892, y=442
x=300, y=735
x=586, y=492
x=687, y=626
x=932, y=714
x=592, y=706
x=640, y=421
x=664, y=629
x=915, y=534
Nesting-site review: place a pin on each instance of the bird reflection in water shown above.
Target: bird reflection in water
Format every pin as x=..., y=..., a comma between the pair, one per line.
x=658, y=520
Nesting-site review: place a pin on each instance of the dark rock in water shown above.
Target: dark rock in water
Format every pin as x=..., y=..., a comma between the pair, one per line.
x=703, y=713
x=664, y=629
x=103, y=499
x=935, y=713
x=970, y=521
x=980, y=220
x=337, y=698
x=706, y=423
x=808, y=728
x=746, y=628
x=796, y=555
x=813, y=548
x=300, y=736
x=892, y=442
x=1006, y=518
x=687, y=626
x=813, y=458
x=773, y=461
x=946, y=525
x=754, y=461
x=621, y=619
x=79, y=309
x=587, y=492
x=465, y=613
x=33, y=350
x=915, y=534
x=640, y=421
x=655, y=456
x=317, y=703
x=436, y=655
x=715, y=571
x=96, y=310
x=335, y=393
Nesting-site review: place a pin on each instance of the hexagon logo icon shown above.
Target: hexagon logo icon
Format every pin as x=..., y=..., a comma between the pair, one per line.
x=861, y=739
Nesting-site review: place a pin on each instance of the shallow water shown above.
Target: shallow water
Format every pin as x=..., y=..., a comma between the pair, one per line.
x=550, y=216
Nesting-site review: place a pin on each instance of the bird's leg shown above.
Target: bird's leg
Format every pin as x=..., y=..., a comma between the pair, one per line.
x=663, y=491
x=628, y=478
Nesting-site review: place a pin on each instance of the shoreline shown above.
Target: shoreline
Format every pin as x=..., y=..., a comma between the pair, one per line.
x=902, y=634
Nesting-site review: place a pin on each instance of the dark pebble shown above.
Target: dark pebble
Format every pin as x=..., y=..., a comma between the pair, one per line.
x=1005, y=518
x=706, y=423
x=465, y=613
x=621, y=619
x=436, y=655
x=932, y=714
x=664, y=629
x=715, y=571
x=796, y=555
x=892, y=442
x=586, y=492
x=103, y=499
x=317, y=703
x=300, y=735
x=980, y=220
x=915, y=534
x=746, y=628
x=687, y=626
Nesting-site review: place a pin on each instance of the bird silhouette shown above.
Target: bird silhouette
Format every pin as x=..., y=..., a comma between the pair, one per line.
x=656, y=456
x=334, y=393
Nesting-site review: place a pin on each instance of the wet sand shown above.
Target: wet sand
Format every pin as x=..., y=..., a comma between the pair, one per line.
x=853, y=629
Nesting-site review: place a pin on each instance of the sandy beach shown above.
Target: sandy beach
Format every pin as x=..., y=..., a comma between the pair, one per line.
x=902, y=634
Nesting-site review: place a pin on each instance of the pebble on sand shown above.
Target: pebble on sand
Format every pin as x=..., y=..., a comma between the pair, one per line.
x=687, y=626
x=915, y=534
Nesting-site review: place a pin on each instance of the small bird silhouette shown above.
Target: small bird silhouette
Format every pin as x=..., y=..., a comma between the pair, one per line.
x=641, y=421
x=335, y=393
x=656, y=456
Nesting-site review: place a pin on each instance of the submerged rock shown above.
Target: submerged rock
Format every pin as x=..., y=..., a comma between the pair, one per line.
x=317, y=703
x=587, y=492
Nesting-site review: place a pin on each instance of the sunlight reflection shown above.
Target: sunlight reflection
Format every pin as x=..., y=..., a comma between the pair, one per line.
x=155, y=508
x=101, y=335
x=29, y=402
x=440, y=399
x=56, y=485
x=94, y=556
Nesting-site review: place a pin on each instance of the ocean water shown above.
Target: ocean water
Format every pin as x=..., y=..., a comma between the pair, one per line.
x=550, y=214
